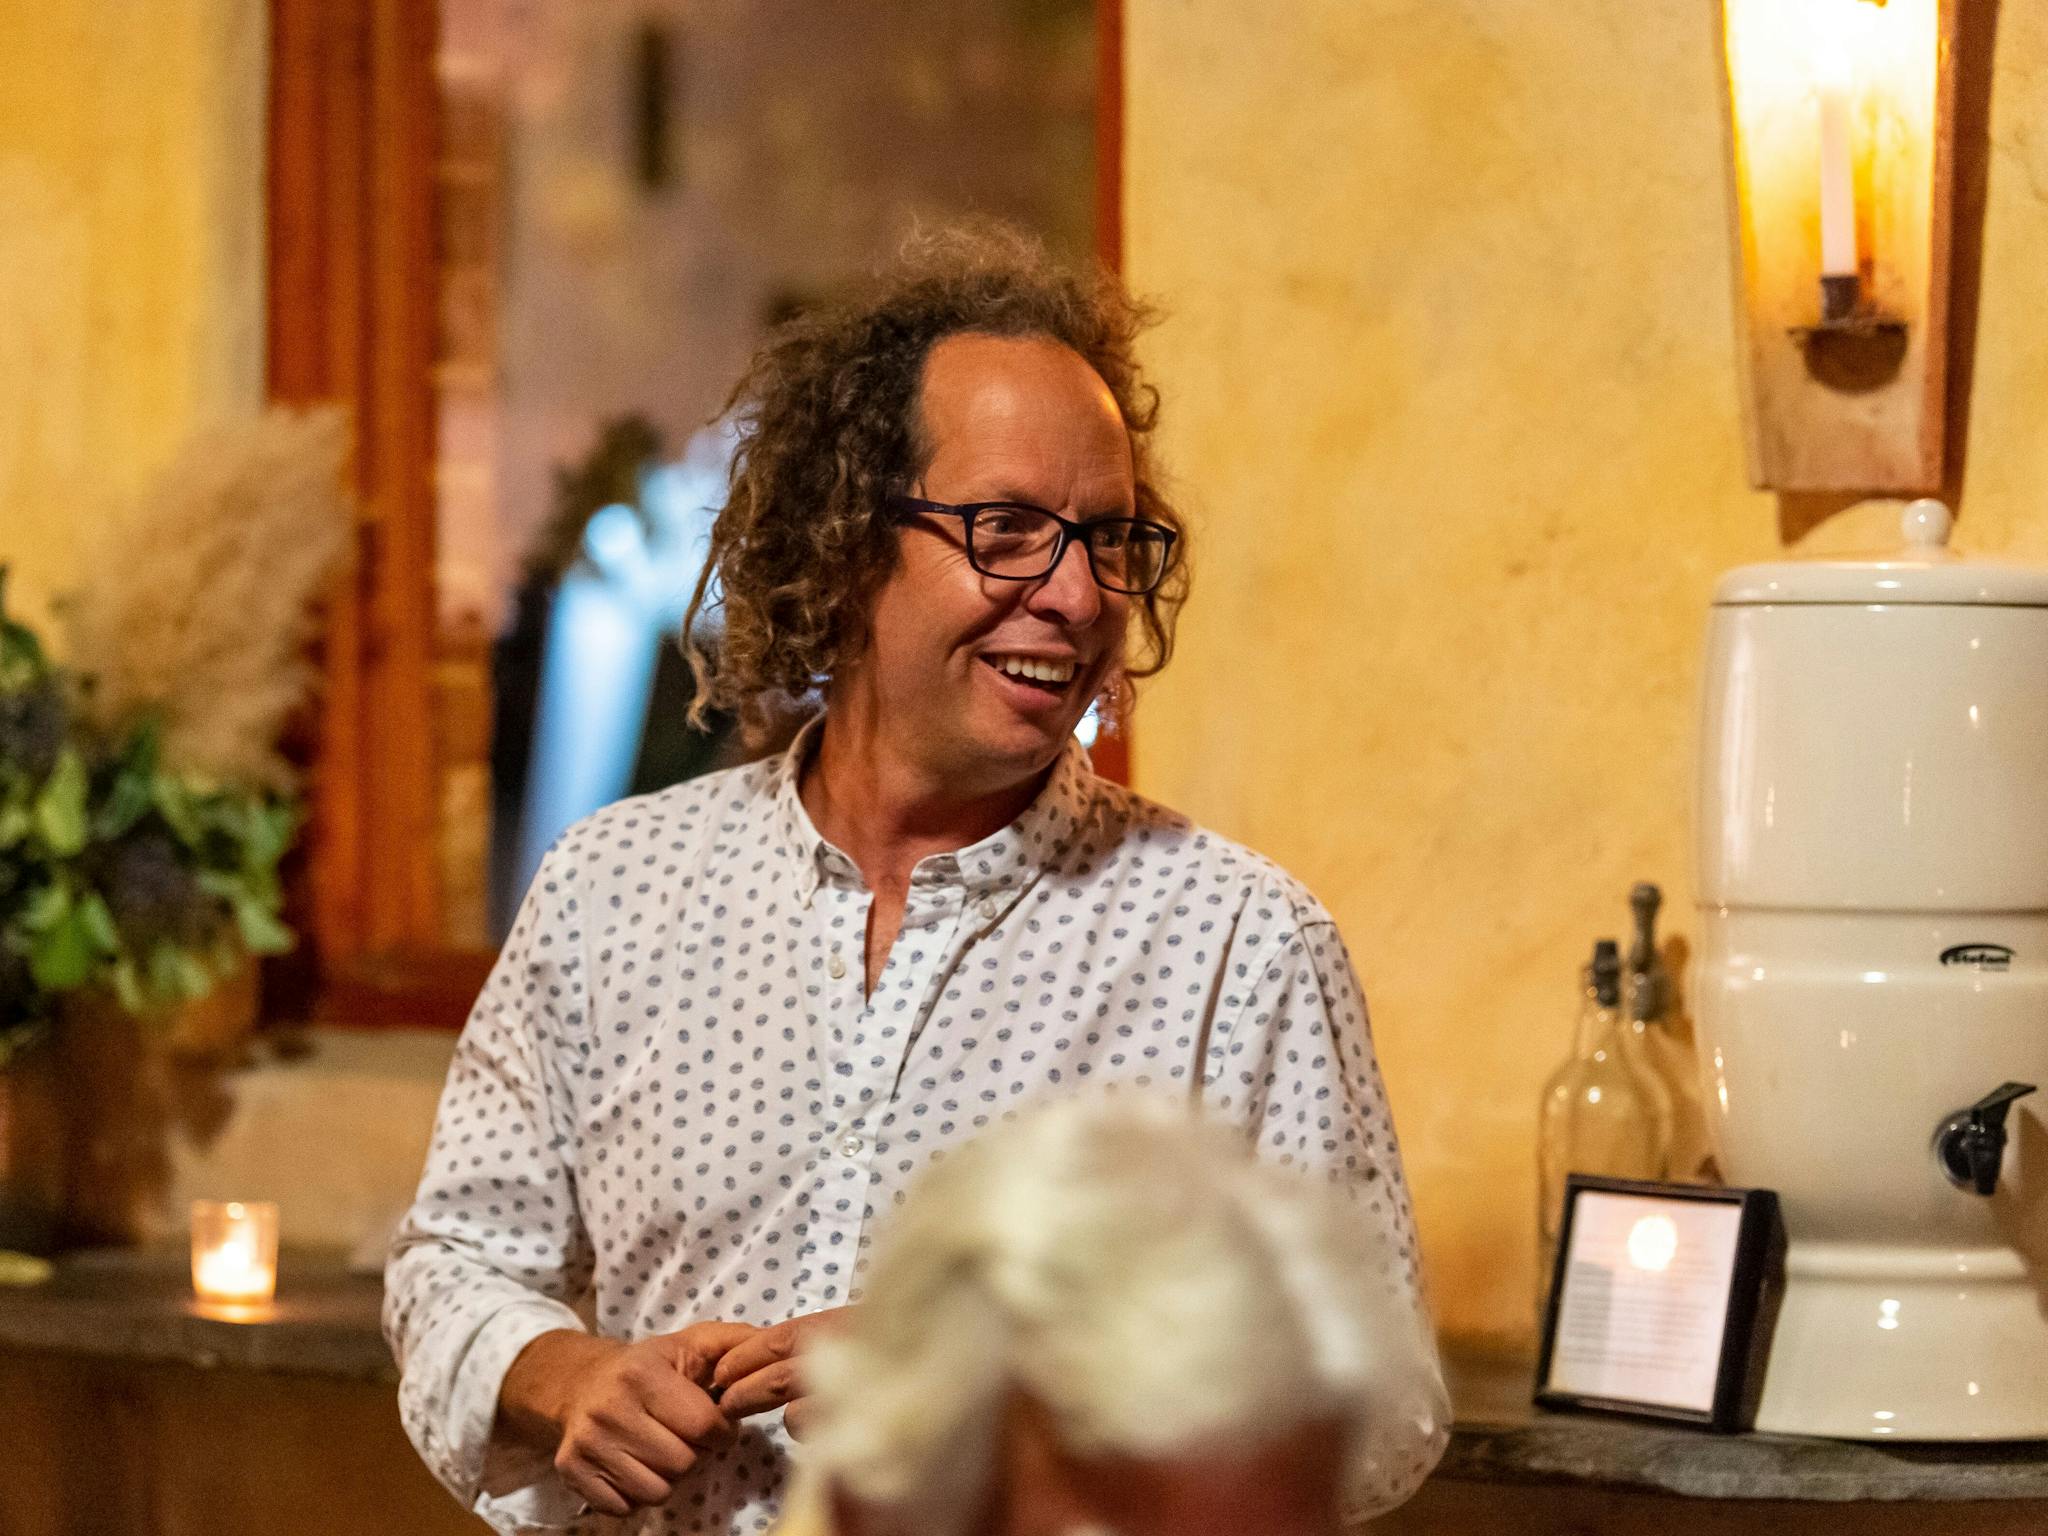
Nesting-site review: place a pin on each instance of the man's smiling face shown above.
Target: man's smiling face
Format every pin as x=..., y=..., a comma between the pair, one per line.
x=947, y=672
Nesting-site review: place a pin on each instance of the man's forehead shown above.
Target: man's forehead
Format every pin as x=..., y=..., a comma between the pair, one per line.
x=1006, y=395
x=996, y=375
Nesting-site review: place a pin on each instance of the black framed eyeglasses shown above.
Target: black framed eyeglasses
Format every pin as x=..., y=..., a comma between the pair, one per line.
x=1015, y=541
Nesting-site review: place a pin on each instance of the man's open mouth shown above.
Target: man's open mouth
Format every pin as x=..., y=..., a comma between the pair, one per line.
x=1038, y=673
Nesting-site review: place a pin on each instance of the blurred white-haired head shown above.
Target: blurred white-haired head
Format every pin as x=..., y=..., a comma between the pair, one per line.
x=1148, y=1290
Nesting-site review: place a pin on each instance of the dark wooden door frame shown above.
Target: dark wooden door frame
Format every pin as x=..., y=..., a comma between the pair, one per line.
x=351, y=321
x=1112, y=753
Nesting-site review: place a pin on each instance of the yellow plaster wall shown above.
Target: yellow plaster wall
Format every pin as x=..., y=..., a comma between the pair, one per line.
x=1450, y=386
x=131, y=252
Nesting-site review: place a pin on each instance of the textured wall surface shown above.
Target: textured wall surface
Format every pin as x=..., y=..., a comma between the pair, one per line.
x=1450, y=389
x=337, y=1137
x=131, y=252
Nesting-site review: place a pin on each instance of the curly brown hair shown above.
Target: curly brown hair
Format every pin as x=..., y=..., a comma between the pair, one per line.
x=829, y=430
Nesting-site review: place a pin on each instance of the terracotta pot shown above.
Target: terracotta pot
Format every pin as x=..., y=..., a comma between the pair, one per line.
x=86, y=1116
x=113, y=1091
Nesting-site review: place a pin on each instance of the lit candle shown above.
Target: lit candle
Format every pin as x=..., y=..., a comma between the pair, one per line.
x=234, y=1251
x=1837, y=166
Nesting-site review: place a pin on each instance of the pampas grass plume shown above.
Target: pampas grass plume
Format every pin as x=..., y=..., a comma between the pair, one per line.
x=200, y=596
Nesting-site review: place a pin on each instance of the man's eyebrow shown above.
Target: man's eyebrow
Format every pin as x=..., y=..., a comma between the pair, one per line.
x=1013, y=498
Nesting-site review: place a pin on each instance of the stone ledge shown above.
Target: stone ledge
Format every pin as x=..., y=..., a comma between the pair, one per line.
x=1501, y=1437
x=139, y=1307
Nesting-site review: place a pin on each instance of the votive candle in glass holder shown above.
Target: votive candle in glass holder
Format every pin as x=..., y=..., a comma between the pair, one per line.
x=234, y=1251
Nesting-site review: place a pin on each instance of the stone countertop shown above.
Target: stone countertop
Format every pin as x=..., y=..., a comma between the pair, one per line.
x=1501, y=1437
x=139, y=1306
x=324, y=1323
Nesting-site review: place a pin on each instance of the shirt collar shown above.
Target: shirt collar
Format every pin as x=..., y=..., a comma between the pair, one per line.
x=1004, y=862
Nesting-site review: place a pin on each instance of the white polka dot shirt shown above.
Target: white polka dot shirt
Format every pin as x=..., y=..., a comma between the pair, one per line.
x=673, y=1101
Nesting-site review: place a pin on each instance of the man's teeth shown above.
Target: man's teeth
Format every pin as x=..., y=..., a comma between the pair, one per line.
x=1041, y=671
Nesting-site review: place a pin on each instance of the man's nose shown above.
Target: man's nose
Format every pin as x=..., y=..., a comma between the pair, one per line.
x=1068, y=591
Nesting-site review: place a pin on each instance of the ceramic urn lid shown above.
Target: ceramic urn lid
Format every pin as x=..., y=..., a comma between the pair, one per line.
x=1923, y=570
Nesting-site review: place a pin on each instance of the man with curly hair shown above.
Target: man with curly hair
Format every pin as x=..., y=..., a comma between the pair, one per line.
x=736, y=1017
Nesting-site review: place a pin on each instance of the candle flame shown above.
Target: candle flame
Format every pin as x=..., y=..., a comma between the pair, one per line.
x=234, y=1271
x=234, y=1260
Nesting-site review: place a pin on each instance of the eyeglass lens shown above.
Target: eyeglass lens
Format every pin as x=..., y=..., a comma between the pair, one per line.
x=1019, y=542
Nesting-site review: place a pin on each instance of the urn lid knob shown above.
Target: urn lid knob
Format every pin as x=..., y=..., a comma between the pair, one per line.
x=1925, y=523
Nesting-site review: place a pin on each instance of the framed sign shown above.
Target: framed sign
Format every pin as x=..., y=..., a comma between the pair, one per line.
x=1662, y=1300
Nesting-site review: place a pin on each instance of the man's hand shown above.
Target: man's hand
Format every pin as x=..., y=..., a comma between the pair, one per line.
x=761, y=1374
x=625, y=1420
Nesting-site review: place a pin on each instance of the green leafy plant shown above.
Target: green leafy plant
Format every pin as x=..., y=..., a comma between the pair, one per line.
x=117, y=870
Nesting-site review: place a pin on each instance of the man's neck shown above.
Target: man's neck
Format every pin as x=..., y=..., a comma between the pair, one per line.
x=886, y=814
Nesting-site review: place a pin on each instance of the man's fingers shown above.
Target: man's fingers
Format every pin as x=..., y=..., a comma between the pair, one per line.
x=641, y=1415
x=764, y=1349
x=697, y=1350
x=780, y=1342
x=648, y=1441
x=594, y=1491
x=686, y=1410
x=640, y=1486
x=583, y=1479
x=765, y=1390
x=796, y=1418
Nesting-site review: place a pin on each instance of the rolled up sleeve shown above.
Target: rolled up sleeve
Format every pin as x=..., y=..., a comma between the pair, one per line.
x=493, y=1251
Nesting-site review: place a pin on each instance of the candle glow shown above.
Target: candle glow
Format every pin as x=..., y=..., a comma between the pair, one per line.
x=234, y=1251
x=1837, y=162
x=1841, y=143
x=1831, y=100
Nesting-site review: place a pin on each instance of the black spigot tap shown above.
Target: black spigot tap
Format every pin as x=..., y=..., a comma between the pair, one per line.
x=1971, y=1142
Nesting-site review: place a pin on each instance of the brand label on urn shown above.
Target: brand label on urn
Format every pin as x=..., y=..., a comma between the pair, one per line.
x=1980, y=957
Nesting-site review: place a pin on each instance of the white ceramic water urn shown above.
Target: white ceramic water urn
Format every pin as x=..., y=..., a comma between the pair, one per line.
x=1871, y=978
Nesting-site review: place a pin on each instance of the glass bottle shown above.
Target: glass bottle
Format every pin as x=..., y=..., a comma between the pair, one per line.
x=1665, y=1038
x=1603, y=1112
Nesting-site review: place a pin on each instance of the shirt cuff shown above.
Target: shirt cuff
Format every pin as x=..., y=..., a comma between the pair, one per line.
x=517, y=1486
x=546, y=1506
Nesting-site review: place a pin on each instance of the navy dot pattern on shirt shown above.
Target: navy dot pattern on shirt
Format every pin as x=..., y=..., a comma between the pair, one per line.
x=673, y=1098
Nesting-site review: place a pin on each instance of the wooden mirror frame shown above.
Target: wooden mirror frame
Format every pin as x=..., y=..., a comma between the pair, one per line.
x=351, y=231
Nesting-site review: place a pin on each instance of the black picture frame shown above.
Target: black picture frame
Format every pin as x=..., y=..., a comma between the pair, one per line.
x=1755, y=1283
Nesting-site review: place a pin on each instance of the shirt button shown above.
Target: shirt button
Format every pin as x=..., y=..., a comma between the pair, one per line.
x=852, y=1145
x=989, y=908
x=835, y=967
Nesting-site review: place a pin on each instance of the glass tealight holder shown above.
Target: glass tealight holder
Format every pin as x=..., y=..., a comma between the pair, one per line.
x=234, y=1251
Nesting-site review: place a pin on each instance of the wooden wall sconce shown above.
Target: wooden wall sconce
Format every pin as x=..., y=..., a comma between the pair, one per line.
x=1841, y=144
